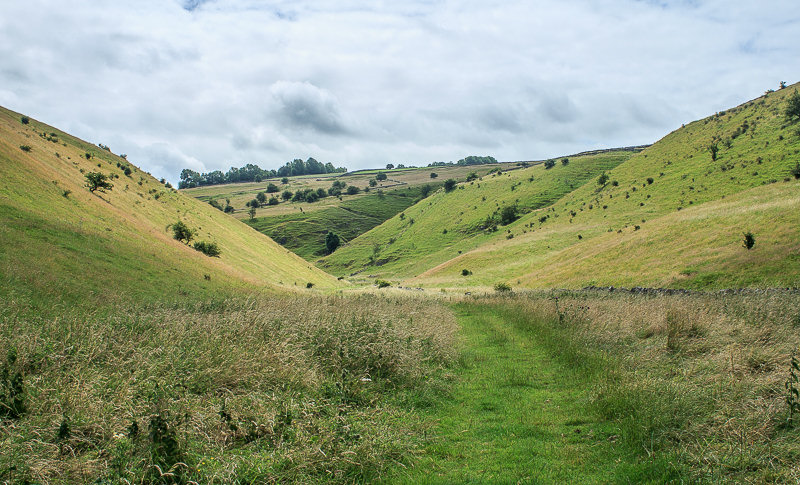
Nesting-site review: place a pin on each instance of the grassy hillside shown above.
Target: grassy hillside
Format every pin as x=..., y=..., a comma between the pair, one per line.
x=670, y=215
x=447, y=223
x=304, y=232
x=59, y=240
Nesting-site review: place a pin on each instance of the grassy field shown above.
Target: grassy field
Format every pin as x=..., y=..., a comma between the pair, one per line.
x=60, y=241
x=304, y=233
x=443, y=225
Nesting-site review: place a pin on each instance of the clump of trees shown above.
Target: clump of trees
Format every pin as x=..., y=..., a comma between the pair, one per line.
x=470, y=160
x=98, y=181
x=208, y=248
x=254, y=173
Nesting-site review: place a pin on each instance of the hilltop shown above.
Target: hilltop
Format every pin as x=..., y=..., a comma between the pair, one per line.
x=61, y=241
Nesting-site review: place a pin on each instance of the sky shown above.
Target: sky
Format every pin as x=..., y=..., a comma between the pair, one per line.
x=210, y=84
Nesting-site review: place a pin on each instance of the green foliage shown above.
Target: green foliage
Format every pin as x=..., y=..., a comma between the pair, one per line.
x=548, y=164
x=650, y=180
x=12, y=391
x=285, y=180
x=208, y=248
x=166, y=455
x=272, y=188
x=382, y=283
x=25, y=148
x=25, y=120
x=273, y=201
x=353, y=190
x=565, y=161
x=309, y=285
x=373, y=183
x=181, y=232
x=286, y=195
x=332, y=242
x=449, y=185
x=713, y=147
x=509, y=214
x=215, y=204
x=380, y=176
x=502, y=288
x=252, y=213
x=795, y=171
x=749, y=240
x=97, y=181
x=793, y=106
x=602, y=179
x=434, y=175
x=472, y=176
x=466, y=272
x=261, y=198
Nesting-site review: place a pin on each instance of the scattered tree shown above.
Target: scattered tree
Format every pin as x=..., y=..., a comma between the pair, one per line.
x=449, y=185
x=25, y=120
x=434, y=175
x=380, y=176
x=353, y=190
x=97, y=181
x=508, y=214
x=332, y=242
x=209, y=249
x=602, y=179
x=261, y=198
x=389, y=166
x=181, y=232
x=749, y=240
x=272, y=188
x=285, y=180
x=548, y=164
x=273, y=201
x=372, y=182
x=252, y=213
x=286, y=195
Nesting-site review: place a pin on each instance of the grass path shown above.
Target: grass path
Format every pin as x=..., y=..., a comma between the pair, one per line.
x=517, y=415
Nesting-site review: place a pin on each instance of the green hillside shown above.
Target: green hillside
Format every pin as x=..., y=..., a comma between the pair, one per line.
x=59, y=240
x=447, y=223
x=304, y=232
x=671, y=215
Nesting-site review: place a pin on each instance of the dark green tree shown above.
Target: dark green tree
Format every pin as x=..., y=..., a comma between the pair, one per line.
x=380, y=176
x=353, y=190
x=449, y=185
x=261, y=197
x=332, y=242
x=602, y=179
x=98, y=181
x=287, y=195
x=181, y=232
x=272, y=188
x=434, y=175
x=508, y=214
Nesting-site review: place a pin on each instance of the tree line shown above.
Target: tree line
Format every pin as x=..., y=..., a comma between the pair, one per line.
x=254, y=173
x=470, y=160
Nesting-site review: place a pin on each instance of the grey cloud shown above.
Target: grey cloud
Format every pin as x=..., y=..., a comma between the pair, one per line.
x=303, y=105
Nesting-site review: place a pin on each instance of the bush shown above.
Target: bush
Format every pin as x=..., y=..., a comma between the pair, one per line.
x=602, y=179
x=12, y=400
x=472, y=176
x=795, y=171
x=449, y=185
x=25, y=148
x=383, y=283
x=466, y=272
x=749, y=240
x=286, y=195
x=209, y=249
x=353, y=190
x=181, y=232
x=25, y=120
x=372, y=182
x=332, y=242
x=565, y=161
x=508, y=214
x=434, y=175
x=793, y=106
x=649, y=180
x=502, y=288
x=97, y=181
x=261, y=198
x=272, y=188
x=549, y=164
x=380, y=176
x=285, y=180
x=273, y=201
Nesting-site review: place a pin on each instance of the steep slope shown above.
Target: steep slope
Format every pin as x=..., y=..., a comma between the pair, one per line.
x=59, y=240
x=671, y=215
x=448, y=223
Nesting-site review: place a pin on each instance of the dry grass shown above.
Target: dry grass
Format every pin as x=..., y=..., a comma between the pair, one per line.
x=245, y=390
x=699, y=378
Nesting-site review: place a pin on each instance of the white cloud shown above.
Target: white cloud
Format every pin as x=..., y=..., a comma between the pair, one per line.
x=214, y=83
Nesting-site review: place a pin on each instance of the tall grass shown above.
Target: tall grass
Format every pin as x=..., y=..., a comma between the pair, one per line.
x=695, y=382
x=242, y=390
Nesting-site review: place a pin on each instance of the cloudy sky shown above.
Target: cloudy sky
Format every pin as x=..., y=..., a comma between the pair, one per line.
x=207, y=84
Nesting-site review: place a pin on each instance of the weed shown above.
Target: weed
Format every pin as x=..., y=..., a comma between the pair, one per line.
x=792, y=392
x=12, y=391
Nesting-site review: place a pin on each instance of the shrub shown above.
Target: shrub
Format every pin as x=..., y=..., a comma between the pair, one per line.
x=434, y=175
x=382, y=283
x=25, y=148
x=472, y=176
x=795, y=171
x=749, y=240
x=713, y=148
x=209, y=249
x=272, y=188
x=229, y=209
x=273, y=201
x=353, y=190
x=449, y=185
x=285, y=180
x=372, y=182
x=565, y=161
x=252, y=213
x=127, y=171
x=215, y=204
x=793, y=106
x=286, y=195
x=181, y=232
x=88, y=155
x=261, y=198
x=549, y=164
x=380, y=176
x=602, y=179
x=98, y=181
x=466, y=272
x=508, y=214
x=25, y=120
x=309, y=285
x=502, y=288
x=614, y=183
x=332, y=242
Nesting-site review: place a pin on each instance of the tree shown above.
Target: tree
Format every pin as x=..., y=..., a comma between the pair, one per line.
x=98, y=181
x=434, y=175
x=273, y=201
x=380, y=176
x=261, y=198
x=372, y=182
x=602, y=179
x=285, y=180
x=389, y=166
x=565, y=161
x=449, y=185
x=353, y=190
x=272, y=188
x=793, y=106
x=287, y=195
x=332, y=242
x=713, y=148
x=252, y=213
x=508, y=214
x=181, y=232
x=749, y=241
x=549, y=164
x=472, y=176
